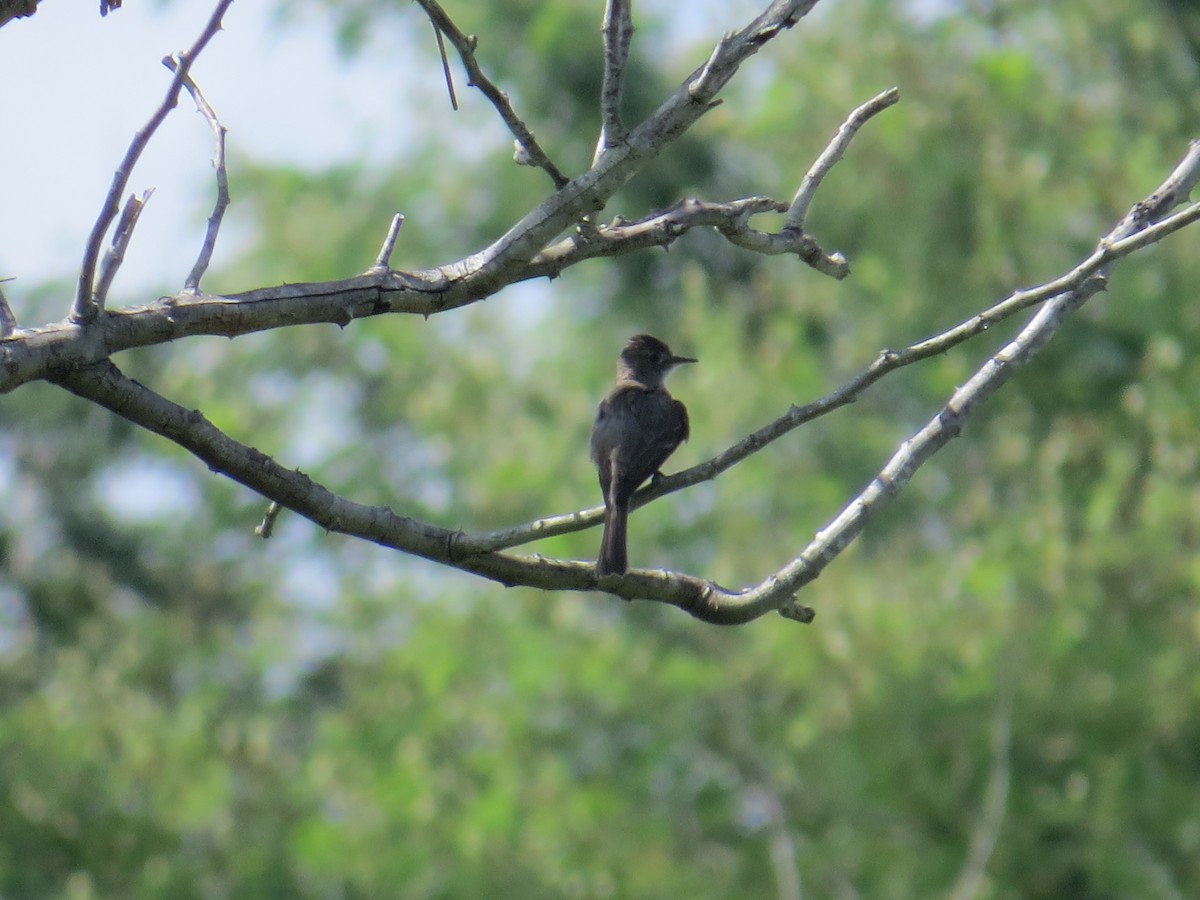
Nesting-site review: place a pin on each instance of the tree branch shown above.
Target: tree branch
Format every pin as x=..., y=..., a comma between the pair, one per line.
x=104, y=384
x=476, y=78
x=8, y=322
x=192, y=284
x=833, y=154
x=383, y=260
x=120, y=243
x=446, y=73
x=661, y=229
x=618, y=33
x=76, y=357
x=87, y=305
x=424, y=292
x=1084, y=277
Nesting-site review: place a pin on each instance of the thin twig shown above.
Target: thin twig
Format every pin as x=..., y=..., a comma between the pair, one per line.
x=266, y=527
x=192, y=284
x=441, y=42
x=87, y=307
x=8, y=322
x=662, y=228
x=465, y=46
x=383, y=260
x=618, y=32
x=120, y=243
x=707, y=80
x=833, y=153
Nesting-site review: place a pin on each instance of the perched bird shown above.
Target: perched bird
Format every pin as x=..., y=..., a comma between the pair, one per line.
x=637, y=427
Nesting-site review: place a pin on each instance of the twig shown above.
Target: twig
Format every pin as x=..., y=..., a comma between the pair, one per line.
x=441, y=42
x=618, y=32
x=706, y=81
x=664, y=227
x=8, y=322
x=832, y=154
x=87, y=307
x=465, y=46
x=120, y=242
x=192, y=284
x=383, y=260
x=266, y=527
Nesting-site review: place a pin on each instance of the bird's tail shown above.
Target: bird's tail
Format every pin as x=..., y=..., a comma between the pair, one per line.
x=613, y=559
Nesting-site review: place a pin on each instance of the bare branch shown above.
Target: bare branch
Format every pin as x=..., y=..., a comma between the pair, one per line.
x=618, y=32
x=465, y=46
x=661, y=229
x=389, y=243
x=192, y=284
x=8, y=322
x=105, y=385
x=120, y=242
x=833, y=154
x=87, y=306
x=589, y=192
x=733, y=49
x=441, y=42
x=1083, y=278
x=40, y=351
x=840, y=533
x=424, y=292
x=266, y=527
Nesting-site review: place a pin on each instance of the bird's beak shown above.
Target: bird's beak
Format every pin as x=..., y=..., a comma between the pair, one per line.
x=676, y=360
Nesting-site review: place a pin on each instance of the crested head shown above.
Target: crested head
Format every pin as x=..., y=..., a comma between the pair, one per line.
x=647, y=360
x=646, y=346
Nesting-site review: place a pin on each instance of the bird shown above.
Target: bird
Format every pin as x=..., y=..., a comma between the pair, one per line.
x=638, y=425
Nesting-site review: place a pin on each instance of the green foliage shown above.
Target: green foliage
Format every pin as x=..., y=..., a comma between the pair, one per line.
x=189, y=712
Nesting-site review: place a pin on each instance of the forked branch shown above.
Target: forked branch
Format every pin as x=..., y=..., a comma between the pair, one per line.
x=618, y=33
x=87, y=305
x=191, y=284
x=465, y=45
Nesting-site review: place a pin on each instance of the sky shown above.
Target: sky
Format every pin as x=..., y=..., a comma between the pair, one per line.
x=77, y=86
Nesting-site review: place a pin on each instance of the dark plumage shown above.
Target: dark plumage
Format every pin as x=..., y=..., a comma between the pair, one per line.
x=637, y=427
